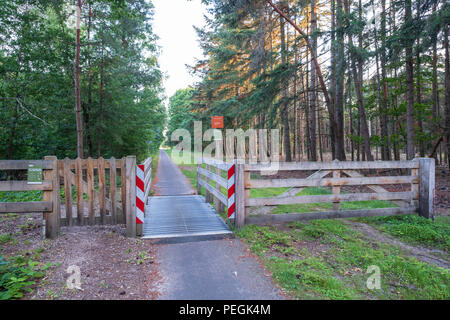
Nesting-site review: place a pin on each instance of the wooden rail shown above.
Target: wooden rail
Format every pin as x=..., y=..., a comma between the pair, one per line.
x=49, y=205
x=334, y=175
x=418, y=199
x=212, y=173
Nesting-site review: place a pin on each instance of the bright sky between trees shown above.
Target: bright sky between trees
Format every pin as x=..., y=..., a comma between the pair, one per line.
x=173, y=23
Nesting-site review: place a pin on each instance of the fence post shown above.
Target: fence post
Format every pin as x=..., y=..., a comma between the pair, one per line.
x=219, y=205
x=426, y=188
x=52, y=218
x=240, y=195
x=131, y=196
x=208, y=195
x=199, y=187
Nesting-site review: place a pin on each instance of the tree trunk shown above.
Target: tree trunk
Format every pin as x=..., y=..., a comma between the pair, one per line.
x=312, y=86
x=447, y=92
x=77, y=82
x=357, y=78
x=410, y=152
x=386, y=148
x=318, y=70
x=285, y=112
x=101, y=95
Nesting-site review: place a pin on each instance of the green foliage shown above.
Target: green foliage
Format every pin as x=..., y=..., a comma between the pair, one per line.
x=20, y=196
x=18, y=275
x=417, y=230
x=121, y=84
x=180, y=113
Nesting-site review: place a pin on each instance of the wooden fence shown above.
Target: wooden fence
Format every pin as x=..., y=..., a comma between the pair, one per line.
x=96, y=191
x=212, y=173
x=50, y=187
x=336, y=175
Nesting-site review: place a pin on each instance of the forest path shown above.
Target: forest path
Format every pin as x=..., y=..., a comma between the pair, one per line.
x=210, y=269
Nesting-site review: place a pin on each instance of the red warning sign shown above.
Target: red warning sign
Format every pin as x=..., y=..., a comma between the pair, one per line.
x=217, y=122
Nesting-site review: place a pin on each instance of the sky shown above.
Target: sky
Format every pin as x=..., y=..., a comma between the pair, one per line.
x=173, y=23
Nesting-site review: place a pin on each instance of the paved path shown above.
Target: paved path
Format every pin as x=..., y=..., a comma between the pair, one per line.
x=169, y=180
x=208, y=269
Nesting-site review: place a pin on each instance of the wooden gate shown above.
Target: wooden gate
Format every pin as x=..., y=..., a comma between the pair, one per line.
x=416, y=182
x=95, y=191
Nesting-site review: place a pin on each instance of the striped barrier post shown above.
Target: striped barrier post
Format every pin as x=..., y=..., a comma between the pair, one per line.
x=140, y=205
x=231, y=191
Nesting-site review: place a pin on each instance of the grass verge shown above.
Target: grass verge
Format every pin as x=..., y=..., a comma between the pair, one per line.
x=325, y=259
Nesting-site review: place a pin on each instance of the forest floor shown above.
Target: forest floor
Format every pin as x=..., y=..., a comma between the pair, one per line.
x=111, y=265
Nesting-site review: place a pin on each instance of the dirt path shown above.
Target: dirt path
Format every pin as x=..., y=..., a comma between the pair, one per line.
x=420, y=253
x=213, y=269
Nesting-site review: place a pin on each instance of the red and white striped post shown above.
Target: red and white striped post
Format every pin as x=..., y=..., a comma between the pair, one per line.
x=140, y=205
x=231, y=191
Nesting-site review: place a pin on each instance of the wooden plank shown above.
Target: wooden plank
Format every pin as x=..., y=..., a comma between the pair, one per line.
x=336, y=190
x=213, y=191
x=215, y=177
x=68, y=192
x=316, y=175
x=96, y=193
x=53, y=217
x=239, y=196
x=208, y=195
x=215, y=163
x=334, y=165
x=147, y=165
x=84, y=164
x=14, y=185
x=415, y=186
x=123, y=188
x=148, y=181
x=79, y=188
x=293, y=191
x=112, y=189
x=330, y=198
x=101, y=187
x=24, y=207
x=291, y=217
x=426, y=188
x=23, y=164
x=220, y=206
x=131, y=196
x=246, y=193
x=329, y=182
x=90, y=190
x=376, y=188
x=199, y=187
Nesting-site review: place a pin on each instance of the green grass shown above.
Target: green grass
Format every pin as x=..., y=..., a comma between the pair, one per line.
x=20, y=196
x=335, y=267
x=416, y=230
x=6, y=238
x=322, y=206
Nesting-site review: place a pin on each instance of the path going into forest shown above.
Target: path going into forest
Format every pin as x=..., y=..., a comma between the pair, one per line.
x=195, y=268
